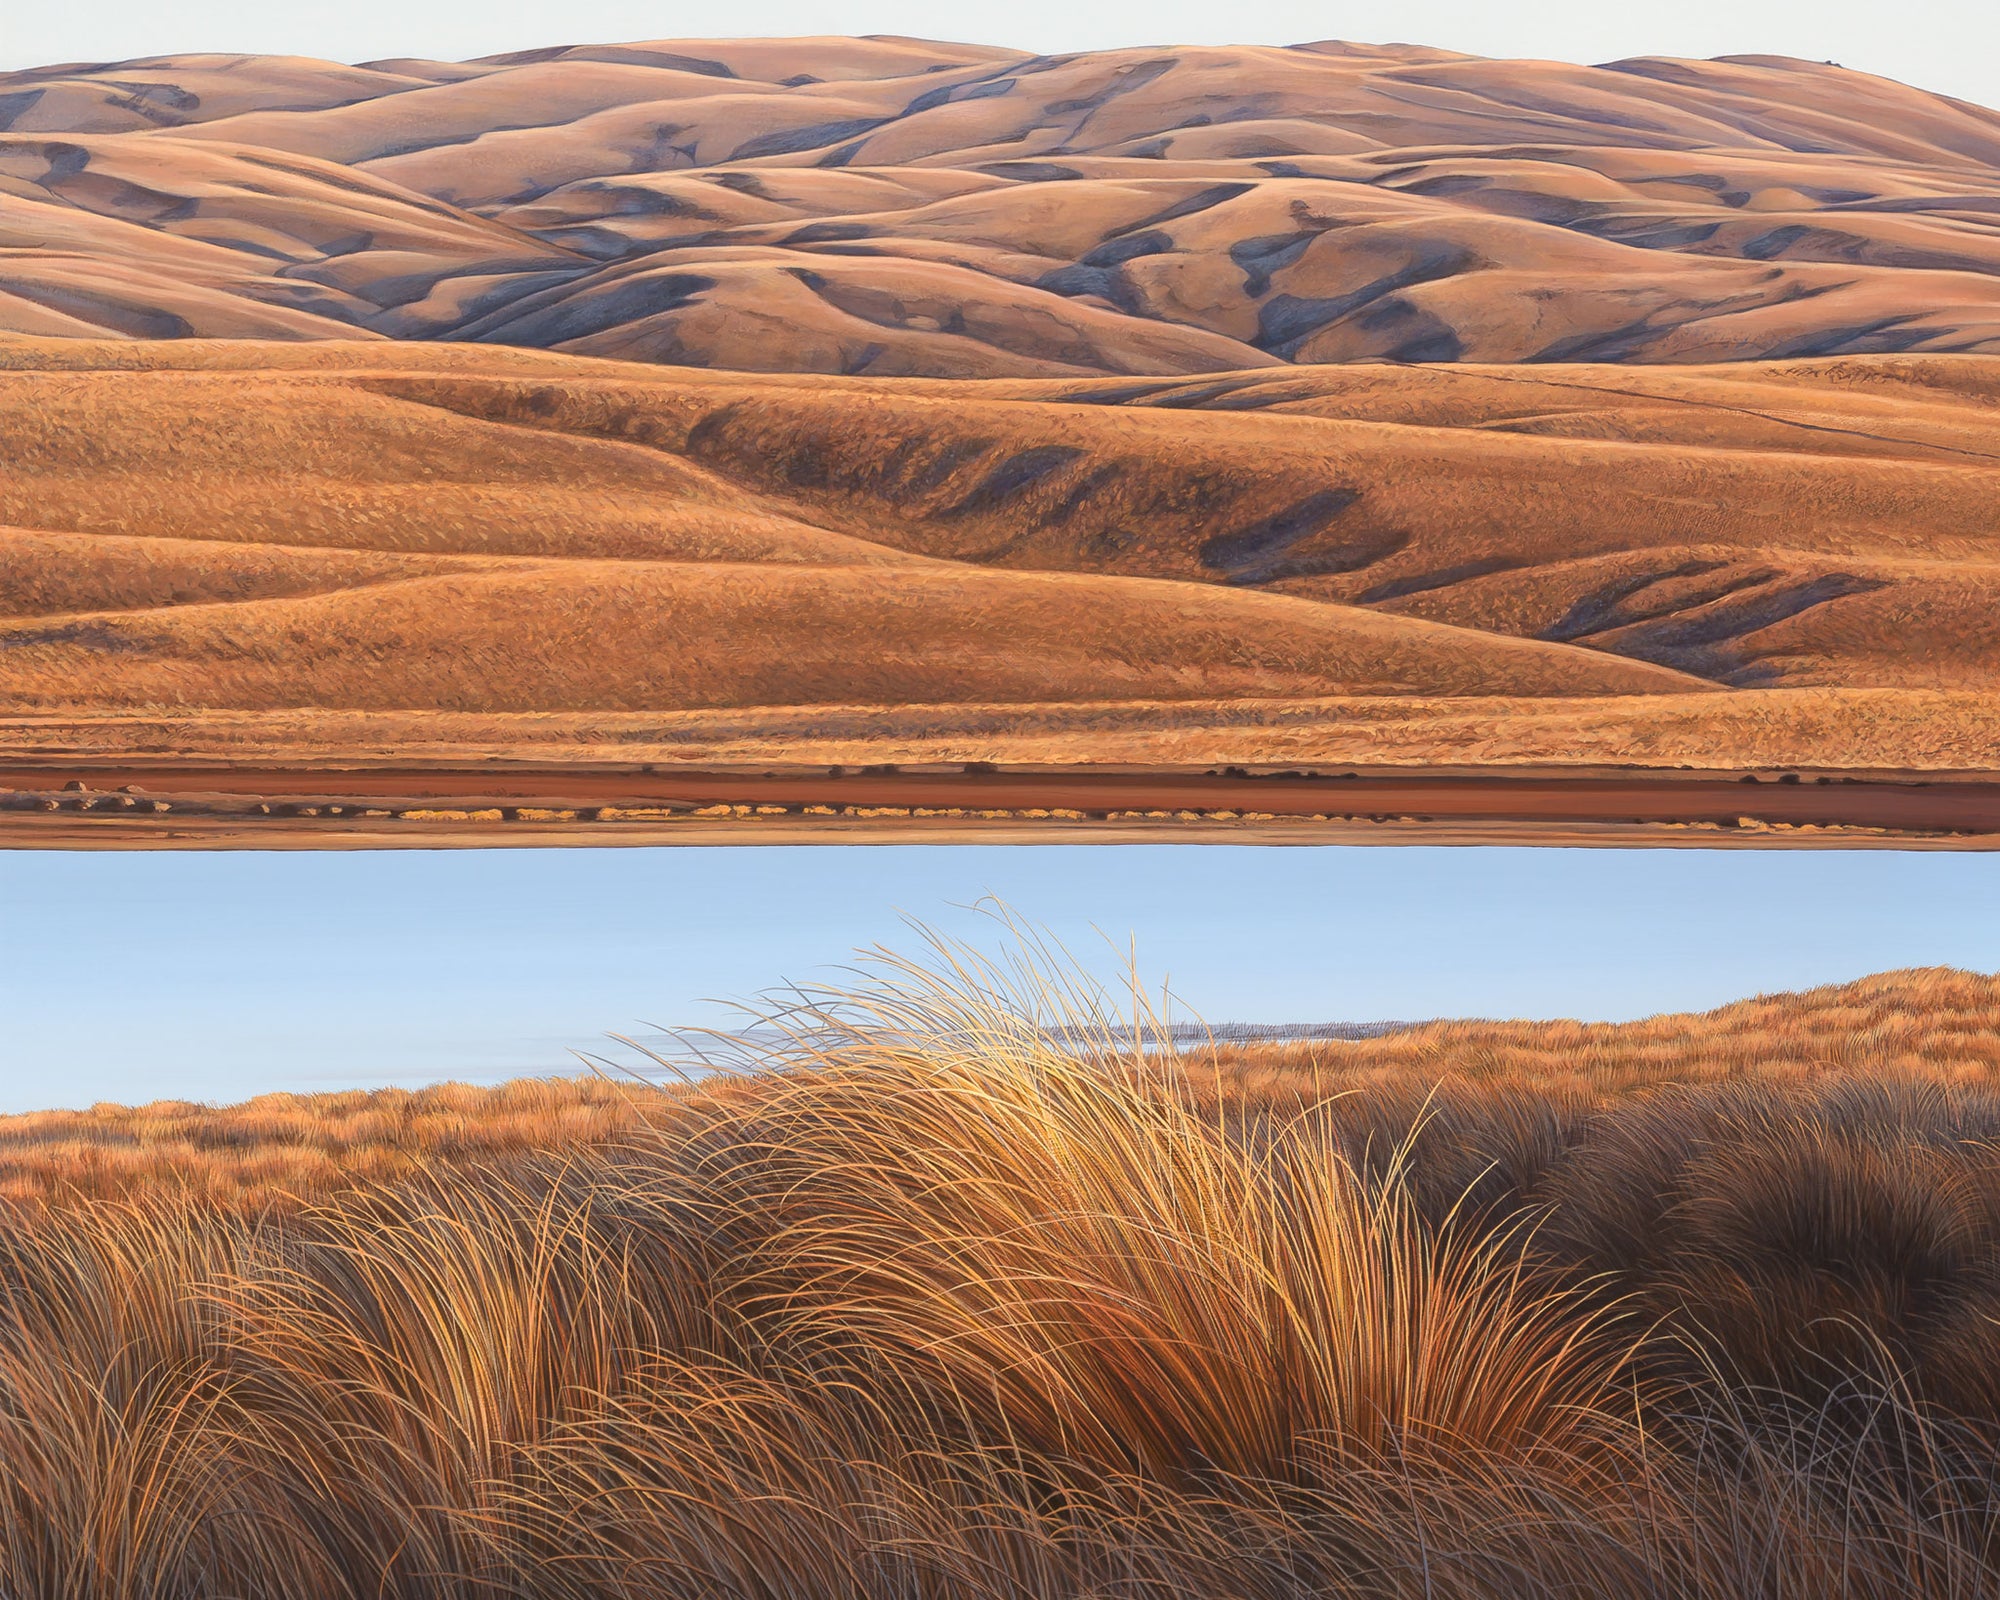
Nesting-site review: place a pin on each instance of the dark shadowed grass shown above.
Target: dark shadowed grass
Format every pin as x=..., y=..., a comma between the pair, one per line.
x=929, y=1302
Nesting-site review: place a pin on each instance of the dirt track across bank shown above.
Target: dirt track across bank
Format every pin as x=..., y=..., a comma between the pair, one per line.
x=79, y=805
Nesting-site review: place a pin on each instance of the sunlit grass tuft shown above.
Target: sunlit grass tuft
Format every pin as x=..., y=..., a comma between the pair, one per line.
x=965, y=1284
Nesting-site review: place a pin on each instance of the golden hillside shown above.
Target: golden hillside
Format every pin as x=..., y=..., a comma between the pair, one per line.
x=897, y=206
x=1773, y=561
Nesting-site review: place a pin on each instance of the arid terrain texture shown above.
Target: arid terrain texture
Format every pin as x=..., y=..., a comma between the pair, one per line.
x=934, y=1301
x=282, y=553
x=896, y=206
x=879, y=401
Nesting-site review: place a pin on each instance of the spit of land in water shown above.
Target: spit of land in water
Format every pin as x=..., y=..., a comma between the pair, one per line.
x=376, y=806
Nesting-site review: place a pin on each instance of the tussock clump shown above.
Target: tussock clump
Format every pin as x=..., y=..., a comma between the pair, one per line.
x=1793, y=1232
x=1069, y=1259
x=972, y=1287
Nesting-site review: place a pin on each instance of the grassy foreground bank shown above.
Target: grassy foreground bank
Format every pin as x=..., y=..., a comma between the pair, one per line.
x=929, y=1305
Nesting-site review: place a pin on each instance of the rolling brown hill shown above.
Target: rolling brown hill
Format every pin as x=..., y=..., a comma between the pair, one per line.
x=895, y=206
x=1765, y=563
x=929, y=402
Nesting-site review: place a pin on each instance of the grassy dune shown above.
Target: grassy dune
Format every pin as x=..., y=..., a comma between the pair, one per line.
x=929, y=1306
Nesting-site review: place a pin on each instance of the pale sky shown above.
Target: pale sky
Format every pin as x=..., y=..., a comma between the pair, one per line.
x=1952, y=46
x=215, y=976
x=126, y=976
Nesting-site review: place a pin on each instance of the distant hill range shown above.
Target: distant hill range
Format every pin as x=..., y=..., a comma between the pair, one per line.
x=895, y=207
x=1342, y=404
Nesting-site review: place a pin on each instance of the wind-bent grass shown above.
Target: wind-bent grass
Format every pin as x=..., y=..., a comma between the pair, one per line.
x=934, y=1303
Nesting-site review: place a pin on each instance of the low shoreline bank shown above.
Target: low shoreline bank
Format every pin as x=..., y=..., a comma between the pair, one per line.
x=166, y=804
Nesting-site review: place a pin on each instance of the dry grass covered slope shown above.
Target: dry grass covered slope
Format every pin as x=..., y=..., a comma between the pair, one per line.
x=1935, y=1026
x=339, y=528
x=930, y=1305
x=903, y=207
x=1301, y=401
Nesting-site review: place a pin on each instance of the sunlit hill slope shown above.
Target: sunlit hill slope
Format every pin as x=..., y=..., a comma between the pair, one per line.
x=900, y=206
x=295, y=531
x=1335, y=402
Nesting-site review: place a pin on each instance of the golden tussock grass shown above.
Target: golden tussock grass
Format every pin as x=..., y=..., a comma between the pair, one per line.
x=962, y=1292
x=1939, y=1023
x=281, y=1146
